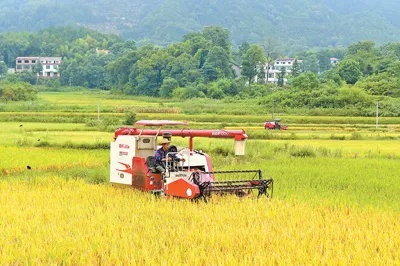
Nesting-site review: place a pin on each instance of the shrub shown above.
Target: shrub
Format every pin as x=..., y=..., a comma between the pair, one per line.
x=130, y=118
x=337, y=137
x=303, y=152
x=356, y=136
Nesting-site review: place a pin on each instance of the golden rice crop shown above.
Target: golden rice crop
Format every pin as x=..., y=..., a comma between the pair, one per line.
x=16, y=159
x=54, y=221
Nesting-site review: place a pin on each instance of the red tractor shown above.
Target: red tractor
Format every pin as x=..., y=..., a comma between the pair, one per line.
x=274, y=124
x=132, y=163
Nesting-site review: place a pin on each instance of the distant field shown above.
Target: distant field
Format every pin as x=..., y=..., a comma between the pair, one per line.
x=336, y=190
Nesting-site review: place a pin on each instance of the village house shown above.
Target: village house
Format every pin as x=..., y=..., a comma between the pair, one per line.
x=334, y=61
x=49, y=65
x=273, y=70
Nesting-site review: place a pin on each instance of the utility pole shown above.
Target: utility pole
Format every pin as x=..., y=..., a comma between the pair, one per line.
x=273, y=111
x=98, y=111
x=377, y=114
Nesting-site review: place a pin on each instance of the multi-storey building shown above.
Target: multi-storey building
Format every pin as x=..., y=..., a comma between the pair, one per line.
x=25, y=63
x=49, y=65
x=272, y=71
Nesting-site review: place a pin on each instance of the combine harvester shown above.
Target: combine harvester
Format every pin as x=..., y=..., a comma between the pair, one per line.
x=132, y=163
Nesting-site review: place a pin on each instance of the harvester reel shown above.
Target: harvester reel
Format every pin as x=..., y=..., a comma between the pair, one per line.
x=238, y=187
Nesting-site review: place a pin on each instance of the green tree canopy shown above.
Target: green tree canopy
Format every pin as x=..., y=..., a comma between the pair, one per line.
x=349, y=71
x=252, y=62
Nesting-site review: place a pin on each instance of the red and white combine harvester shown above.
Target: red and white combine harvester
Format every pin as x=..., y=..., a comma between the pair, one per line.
x=132, y=163
x=274, y=124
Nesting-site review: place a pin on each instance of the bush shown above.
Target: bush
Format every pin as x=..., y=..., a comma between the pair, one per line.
x=17, y=92
x=303, y=152
x=130, y=118
x=337, y=137
x=356, y=136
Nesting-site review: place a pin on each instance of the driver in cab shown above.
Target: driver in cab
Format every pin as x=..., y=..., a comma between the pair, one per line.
x=161, y=157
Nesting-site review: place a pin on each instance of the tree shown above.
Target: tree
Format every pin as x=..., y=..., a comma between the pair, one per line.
x=281, y=77
x=193, y=42
x=349, y=71
x=261, y=75
x=306, y=81
x=352, y=96
x=363, y=46
x=381, y=84
x=295, y=68
x=28, y=77
x=218, y=37
x=3, y=68
x=120, y=69
x=37, y=68
x=168, y=86
x=324, y=61
x=270, y=49
x=19, y=91
x=119, y=49
x=253, y=62
x=71, y=73
x=149, y=71
x=187, y=93
x=311, y=64
x=365, y=54
x=242, y=49
x=179, y=68
x=215, y=92
x=217, y=65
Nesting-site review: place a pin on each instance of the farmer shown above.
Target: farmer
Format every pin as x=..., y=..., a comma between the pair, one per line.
x=161, y=157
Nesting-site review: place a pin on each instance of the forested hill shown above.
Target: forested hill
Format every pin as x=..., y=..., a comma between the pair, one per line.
x=295, y=23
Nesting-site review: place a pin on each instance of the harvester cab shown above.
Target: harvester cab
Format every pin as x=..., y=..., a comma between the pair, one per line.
x=132, y=163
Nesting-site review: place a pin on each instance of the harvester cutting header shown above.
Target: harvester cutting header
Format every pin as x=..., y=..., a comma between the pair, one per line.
x=132, y=163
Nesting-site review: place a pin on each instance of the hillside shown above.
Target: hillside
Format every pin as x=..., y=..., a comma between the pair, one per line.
x=294, y=23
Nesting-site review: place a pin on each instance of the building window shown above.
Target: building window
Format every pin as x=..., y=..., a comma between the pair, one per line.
x=33, y=61
x=289, y=63
x=19, y=61
x=26, y=61
x=47, y=67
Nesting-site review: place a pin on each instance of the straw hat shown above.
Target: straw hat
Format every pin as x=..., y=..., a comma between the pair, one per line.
x=165, y=141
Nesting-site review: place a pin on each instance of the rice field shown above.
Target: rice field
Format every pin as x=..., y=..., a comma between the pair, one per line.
x=54, y=221
x=335, y=198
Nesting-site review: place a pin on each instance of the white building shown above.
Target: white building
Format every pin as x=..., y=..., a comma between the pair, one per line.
x=49, y=65
x=334, y=61
x=272, y=71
